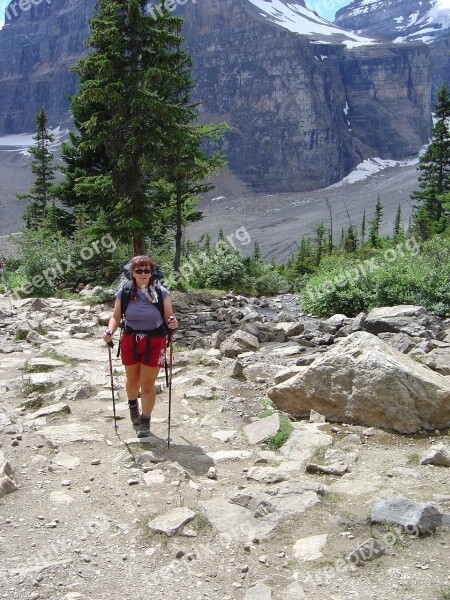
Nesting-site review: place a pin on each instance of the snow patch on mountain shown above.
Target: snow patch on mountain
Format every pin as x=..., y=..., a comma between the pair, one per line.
x=371, y=166
x=426, y=26
x=20, y=142
x=299, y=19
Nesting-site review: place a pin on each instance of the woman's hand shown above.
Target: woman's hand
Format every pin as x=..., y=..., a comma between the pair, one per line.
x=172, y=322
x=107, y=336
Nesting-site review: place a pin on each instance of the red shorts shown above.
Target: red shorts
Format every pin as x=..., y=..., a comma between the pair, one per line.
x=157, y=350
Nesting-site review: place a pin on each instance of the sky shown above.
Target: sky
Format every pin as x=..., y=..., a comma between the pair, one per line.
x=325, y=8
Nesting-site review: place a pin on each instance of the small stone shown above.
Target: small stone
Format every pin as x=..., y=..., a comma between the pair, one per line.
x=51, y=525
x=87, y=490
x=133, y=482
x=179, y=553
x=212, y=474
x=95, y=461
x=15, y=443
x=262, y=559
x=66, y=482
x=244, y=569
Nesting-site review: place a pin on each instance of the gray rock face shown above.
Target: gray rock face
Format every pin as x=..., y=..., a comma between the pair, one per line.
x=363, y=380
x=283, y=95
x=413, y=516
x=404, y=21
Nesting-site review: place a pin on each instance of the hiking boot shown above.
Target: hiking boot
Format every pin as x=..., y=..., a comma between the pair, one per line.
x=144, y=426
x=134, y=414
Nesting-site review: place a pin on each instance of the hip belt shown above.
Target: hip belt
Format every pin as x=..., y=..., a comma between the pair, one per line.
x=158, y=332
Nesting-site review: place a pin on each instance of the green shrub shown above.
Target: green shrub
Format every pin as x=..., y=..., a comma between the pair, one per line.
x=349, y=287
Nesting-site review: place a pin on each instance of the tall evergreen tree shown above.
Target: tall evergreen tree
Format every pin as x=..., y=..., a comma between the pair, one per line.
x=434, y=166
x=351, y=240
x=41, y=193
x=398, y=229
x=375, y=224
x=137, y=154
x=363, y=227
x=319, y=241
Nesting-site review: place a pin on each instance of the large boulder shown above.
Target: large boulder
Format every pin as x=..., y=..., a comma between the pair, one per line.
x=239, y=341
x=405, y=318
x=363, y=380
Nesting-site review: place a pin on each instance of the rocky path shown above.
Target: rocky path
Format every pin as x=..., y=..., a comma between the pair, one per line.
x=99, y=515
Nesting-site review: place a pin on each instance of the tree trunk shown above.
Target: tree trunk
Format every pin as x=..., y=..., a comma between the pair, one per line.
x=178, y=230
x=139, y=245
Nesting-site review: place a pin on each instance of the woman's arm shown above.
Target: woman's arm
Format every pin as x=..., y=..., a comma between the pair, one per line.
x=113, y=322
x=169, y=317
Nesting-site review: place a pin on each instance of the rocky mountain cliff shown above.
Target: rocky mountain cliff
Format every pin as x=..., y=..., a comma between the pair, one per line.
x=306, y=100
x=403, y=22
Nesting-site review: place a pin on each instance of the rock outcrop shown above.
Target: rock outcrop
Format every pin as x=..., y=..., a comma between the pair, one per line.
x=405, y=22
x=363, y=380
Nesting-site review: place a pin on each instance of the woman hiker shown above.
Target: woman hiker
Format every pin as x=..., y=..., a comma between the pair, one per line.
x=143, y=342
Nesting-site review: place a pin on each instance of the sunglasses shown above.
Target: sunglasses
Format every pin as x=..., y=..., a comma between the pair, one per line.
x=140, y=271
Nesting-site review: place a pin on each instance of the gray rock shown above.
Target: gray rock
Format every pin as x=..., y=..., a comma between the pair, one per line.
x=235, y=522
x=173, y=521
x=5, y=468
x=358, y=322
x=410, y=319
x=260, y=591
x=413, y=516
x=71, y=432
x=268, y=475
x=238, y=342
x=287, y=374
x=369, y=550
x=77, y=391
x=400, y=341
x=310, y=548
x=438, y=455
x=357, y=380
x=238, y=370
x=260, y=430
x=7, y=486
x=333, y=469
x=67, y=461
x=47, y=411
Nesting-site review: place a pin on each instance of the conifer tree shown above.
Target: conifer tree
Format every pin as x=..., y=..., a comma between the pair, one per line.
x=41, y=194
x=363, y=227
x=137, y=153
x=398, y=229
x=351, y=240
x=434, y=178
x=375, y=223
x=320, y=234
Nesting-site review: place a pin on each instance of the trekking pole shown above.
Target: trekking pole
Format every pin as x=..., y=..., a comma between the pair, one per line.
x=170, y=383
x=110, y=347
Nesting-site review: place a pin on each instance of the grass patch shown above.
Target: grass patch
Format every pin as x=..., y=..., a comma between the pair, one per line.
x=333, y=497
x=267, y=408
x=20, y=336
x=65, y=359
x=276, y=441
x=319, y=455
x=27, y=368
x=413, y=458
x=34, y=403
x=444, y=593
x=179, y=347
